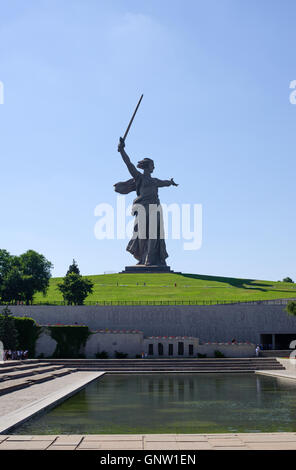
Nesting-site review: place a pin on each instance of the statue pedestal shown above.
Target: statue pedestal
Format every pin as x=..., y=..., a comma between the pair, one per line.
x=142, y=268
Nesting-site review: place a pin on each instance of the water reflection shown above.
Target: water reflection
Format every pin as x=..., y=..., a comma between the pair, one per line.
x=177, y=403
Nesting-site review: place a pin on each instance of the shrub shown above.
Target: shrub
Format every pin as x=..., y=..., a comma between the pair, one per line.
x=218, y=353
x=69, y=340
x=291, y=308
x=28, y=333
x=287, y=279
x=201, y=355
x=120, y=355
x=8, y=331
x=102, y=355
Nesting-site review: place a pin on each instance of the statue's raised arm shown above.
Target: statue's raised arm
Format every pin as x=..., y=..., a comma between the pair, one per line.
x=130, y=166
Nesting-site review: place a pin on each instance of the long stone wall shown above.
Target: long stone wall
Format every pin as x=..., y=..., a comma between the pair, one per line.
x=244, y=322
x=134, y=344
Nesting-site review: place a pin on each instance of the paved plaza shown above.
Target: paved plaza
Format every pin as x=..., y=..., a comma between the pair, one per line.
x=243, y=441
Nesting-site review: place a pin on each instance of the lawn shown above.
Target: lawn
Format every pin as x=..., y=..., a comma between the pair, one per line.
x=175, y=288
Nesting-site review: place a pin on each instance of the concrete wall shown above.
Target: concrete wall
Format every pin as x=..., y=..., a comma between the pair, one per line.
x=130, y=343
x=45, y=345
x=133, y=343
x=229, y=350
x=220, y=323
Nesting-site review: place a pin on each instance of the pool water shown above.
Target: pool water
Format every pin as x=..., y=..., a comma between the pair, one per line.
x=173, y=403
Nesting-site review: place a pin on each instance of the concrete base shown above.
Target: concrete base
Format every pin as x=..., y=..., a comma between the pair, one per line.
x=142, y=268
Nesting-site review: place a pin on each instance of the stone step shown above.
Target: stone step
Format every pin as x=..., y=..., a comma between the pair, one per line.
x=11, y=363
x=13, y=385
x=169, y=371
x=276, y=353
x=162, y=362
x=28, y=372
x=8, y=386
x=23, y=367
x=176, y=366
x=125, y=363
x=40, y=378
x=157, y=371
x=171, y=365
x=164, y=359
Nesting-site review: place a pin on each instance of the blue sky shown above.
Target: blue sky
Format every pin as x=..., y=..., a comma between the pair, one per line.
x=216, y=116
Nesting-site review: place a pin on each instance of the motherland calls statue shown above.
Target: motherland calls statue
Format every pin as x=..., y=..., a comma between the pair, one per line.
x=147, y=244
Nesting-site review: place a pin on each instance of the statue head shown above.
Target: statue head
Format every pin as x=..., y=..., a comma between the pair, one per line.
x=146, y=164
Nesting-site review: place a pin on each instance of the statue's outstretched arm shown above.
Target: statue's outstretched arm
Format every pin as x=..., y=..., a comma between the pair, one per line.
x=130, y=166
x=162, y=183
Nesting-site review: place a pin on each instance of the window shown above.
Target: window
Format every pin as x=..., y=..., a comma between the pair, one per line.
x=160, y=349
x=150, y=349
x=190, y=349
x=180, y=348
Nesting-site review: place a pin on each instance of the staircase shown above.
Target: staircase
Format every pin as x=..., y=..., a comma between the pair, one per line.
x=276, y=353
x=170, y=365
x=16, y=375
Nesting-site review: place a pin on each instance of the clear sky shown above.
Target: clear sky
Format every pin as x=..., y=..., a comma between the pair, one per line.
x=216, y=116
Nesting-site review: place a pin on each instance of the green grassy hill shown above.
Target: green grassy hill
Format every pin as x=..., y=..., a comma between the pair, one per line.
x=161, y=287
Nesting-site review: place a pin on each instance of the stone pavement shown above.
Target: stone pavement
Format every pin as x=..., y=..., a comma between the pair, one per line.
x=288, y=373
x=20, y=405
x=242, y=441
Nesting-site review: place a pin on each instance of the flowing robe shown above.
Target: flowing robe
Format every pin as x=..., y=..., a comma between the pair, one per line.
x=147, y=249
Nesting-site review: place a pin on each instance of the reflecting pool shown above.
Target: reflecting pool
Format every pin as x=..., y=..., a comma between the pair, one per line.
x=173, y=403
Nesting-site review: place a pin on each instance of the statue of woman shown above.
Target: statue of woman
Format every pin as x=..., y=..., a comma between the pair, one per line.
x=149, y=251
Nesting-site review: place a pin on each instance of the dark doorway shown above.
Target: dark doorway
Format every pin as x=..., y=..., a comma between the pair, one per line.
x=171, y=349
x=160, y=349
x=181, y=349
x=190, y=350
x=150, y=349
x=283, y=341
x=266, y=341
x=277, y=341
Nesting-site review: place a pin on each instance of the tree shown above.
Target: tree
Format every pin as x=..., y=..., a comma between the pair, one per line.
x=8, y=331
x=12, y=288
x=291, y=308
x=73, y=268
x=36, y=274
x=6, y=262
x=287, y=279
x=75, y=288
x=22, y=276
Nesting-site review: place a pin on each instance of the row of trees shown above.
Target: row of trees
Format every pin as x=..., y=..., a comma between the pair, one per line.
x=22, y=276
